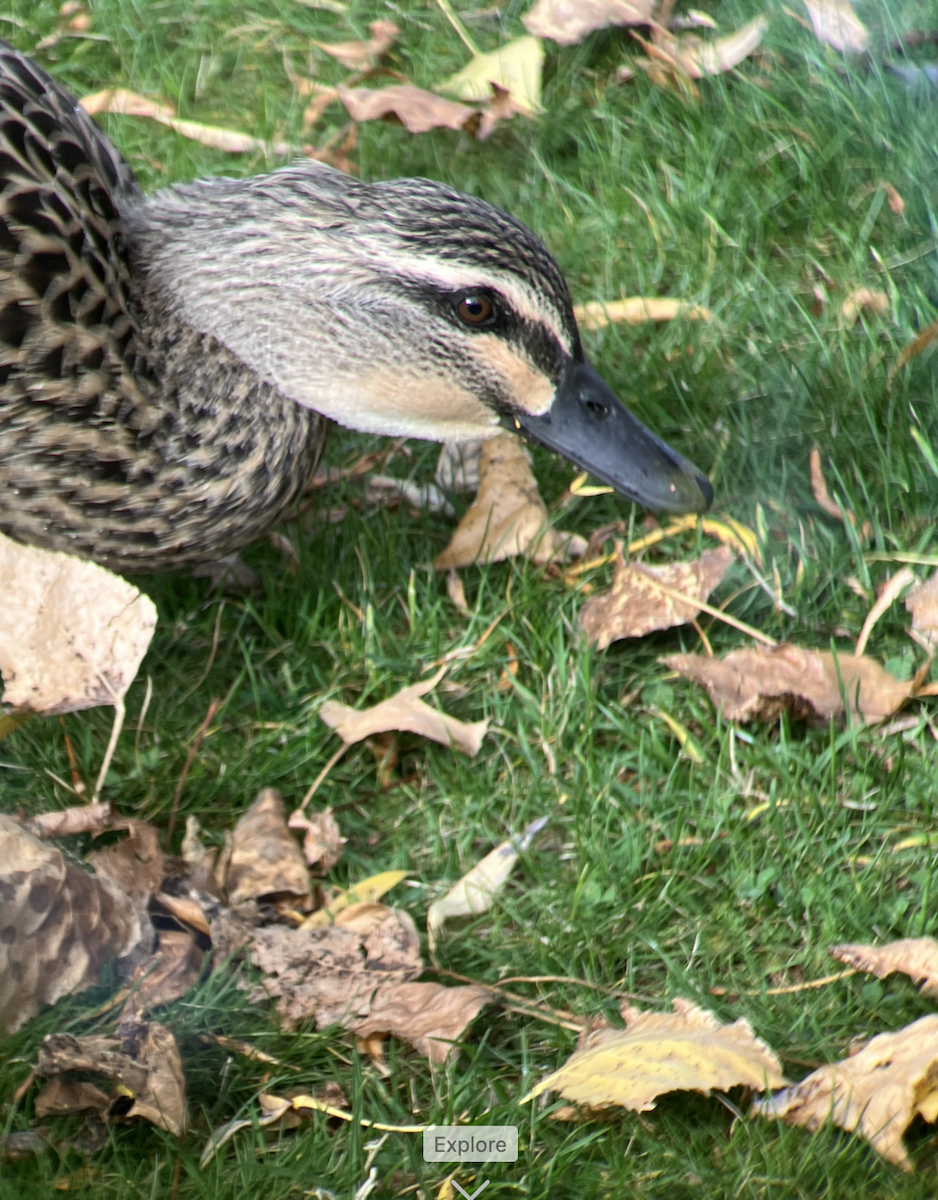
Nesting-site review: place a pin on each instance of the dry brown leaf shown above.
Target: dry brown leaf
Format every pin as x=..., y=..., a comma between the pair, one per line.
x=514, y=68
x=142, y=1059
x=265, y=859
x=82, y=818
x=60, y=925
x=634, y=310
x=326, y=975
x=864, y=300
x=417, y=110
x=915, y=957
x=136, y=864
x=569, y=21
x=132, y=104
x=405, y=711
x=836, y=23
x=63, y=1097
x=429, y=1016
x=687, y=1050
x=322, y=838
x=73, y=635
x=698, y=58
x=166, y=975
x=635, y=606
x=507, y=517
x=922, y=603
x=876, y=1092
x=358, y=56
x=759, y=683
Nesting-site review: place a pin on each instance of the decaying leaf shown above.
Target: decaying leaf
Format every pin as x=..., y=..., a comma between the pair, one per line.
x=73, y=635
x=876, y=1092
x=687, y=1050
x=634, y=310
x=131, y=104
x=864, y=300
x=322, y=838
x=265, y=859
x=759, y=683
x=167, y=974
x=143, y=1062
x=569, y=21
x=508, y=516
x=82, y=818
x=922, y=603
x=429, y=1016
x=364, y=893
x=60, y=925
x=405, y=711
x=635, y=606
x=698, y=58
x=417, y=110
x=476, y=891
x=135, y=864
x=326, y=975
x=915, y=957
x=358, y=56
x=514, y=68
x=836, y=23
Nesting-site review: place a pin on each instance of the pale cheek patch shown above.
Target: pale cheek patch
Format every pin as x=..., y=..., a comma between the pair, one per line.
x=528, y=388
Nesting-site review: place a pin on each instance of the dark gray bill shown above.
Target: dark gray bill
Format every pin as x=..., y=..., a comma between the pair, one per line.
x=590, y=425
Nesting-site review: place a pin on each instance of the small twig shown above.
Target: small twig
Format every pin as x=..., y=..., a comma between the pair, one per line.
x=314, y=786
x=77, y=782
x=148, y=696
x=190, y=758
x=120, y=711
x=786, y=991
x=890, y=592
x=211, y=658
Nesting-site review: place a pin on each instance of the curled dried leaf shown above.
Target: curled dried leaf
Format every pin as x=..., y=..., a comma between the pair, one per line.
x=569, y=21
x=265, y=859
x=322, y=838
x=417, y=110
x=922, y=603
x=432, y=1018
x=835, y=23
x=358, y=55
x=915, y=957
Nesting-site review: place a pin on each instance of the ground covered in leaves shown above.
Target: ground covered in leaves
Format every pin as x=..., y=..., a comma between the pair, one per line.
x=684, y=856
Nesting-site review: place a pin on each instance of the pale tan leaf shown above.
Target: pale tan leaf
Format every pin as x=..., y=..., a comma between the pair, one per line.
x=515, y=68
x=507, y=517
x=73, y=635
x=185, y=910
x=358, y=56
x=922, y=603
x=135, y=864
x=60, y=925
x=82, y=818
x=876, y=1092
x=143, y=1058
x=569, y=21
x=759, y=683
x=634, y=310
x=265, y=859
x=167, y=974
x=699, y=58
x=429, y=1016
x=836, y=23
x=417, y=110
x=863, y=300
x=687, y=1050
x=404, y=711
x=63, y=1097
x=456, y=591
x=476, y=891
x=635, y=606
x=915, y=957
x=322, y=838
x=130, y=104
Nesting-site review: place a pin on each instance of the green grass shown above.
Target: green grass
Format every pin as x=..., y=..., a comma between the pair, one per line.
x=747, y=202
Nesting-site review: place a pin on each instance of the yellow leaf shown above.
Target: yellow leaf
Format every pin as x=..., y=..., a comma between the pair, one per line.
x=515, y=68
x=366, y=892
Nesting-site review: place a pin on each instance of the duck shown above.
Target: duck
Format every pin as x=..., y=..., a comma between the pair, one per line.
x=170, y=363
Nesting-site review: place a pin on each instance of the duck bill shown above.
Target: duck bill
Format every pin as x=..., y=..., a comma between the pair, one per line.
x=590, y=425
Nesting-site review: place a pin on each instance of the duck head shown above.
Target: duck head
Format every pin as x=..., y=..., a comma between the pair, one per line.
x=403, y=308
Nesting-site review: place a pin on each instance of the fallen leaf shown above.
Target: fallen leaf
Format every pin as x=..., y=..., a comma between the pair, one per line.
x=358, y=56
x=60, y=925
x=915, y=957
x=635, y=606
x=167, y=974
x=687, y=1050
x=876, y=1092
x=142, y=1059
x=405, y=711
x=82, y=818
x=893, y=199
x=835, y=23
x=456, y=591
x=325, y=975
x=366, y=891
x=634, y=310
x=922, y=603
x=698, y=58
x=476, y=891
x=863, y=300
x=758, y=683
x=322, y=838
x=135, y=864
x=824, y=498
x=417, y=110
x=569, y=21
x=515, y=68
x=432, y=1018
x=265, y=859
x=507, y=517
x=132, y=104
x=63, y=1097
x=73, y=635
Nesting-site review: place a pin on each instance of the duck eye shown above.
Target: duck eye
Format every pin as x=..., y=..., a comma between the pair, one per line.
x=475, y=309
